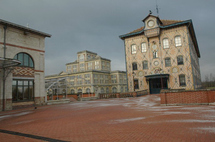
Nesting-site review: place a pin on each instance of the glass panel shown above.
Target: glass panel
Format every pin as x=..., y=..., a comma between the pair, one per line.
x=20, y=83
x=31, y=64
x=20, y=93
x=26, y=61
x=26, y=97
x=20, y=58
x=26, y=83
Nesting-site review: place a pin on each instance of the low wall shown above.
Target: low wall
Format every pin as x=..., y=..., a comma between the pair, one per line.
x=183, y=97
x=60, y=96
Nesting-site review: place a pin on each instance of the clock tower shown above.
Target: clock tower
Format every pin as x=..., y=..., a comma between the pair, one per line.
x=151, y=28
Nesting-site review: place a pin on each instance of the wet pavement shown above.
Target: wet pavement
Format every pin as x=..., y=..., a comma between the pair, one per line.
x=140, y=119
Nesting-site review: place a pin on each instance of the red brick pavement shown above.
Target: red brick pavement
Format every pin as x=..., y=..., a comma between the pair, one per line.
x=139, y=119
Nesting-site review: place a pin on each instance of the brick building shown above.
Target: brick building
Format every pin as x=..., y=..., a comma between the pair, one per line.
x=23, y=84
x=162, y=54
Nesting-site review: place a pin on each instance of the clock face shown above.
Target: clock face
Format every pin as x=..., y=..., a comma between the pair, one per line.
x=151, y=23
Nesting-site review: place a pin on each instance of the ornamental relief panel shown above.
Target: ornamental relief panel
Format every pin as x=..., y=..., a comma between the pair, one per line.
x=23, y=72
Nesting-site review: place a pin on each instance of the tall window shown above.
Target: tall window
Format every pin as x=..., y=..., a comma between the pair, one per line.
x=136, y=84
x=134, y=66
x=25, y=59
x=114, y=90
x=74, y=68
x=96, y=64
x=155, y=54
x=167, y=62
x=82, y=67
x=88, y=90
x=107, y=90
x=165, y=43
x=72, y=91
x=23, y=90
x=178, y=41
x=143, y=45
x=145, y=64
x=122, y=89
x=81, y=58
x=133, y=49
x=89, y=66
x=182, y=80
x=102, y=90
x=180, y=60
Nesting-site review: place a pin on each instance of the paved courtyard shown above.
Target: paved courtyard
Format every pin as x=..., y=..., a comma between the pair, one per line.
x=139, y=119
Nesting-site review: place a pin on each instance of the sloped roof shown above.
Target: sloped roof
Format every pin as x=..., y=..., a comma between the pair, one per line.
x=164, y=23
x=168, y=24
x=26, y=29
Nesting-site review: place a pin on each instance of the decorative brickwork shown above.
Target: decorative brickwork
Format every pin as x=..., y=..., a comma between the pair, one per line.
x=23, y=72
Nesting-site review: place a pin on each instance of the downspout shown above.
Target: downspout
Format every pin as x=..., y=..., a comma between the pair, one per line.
x=4, y=77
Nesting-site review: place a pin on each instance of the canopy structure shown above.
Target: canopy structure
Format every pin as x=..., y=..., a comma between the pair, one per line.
x=7, y=62
x=157, y=76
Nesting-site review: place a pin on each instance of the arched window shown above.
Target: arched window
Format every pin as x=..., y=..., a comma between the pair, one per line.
x=165, y=43
x=122, y=89
x=134, y=66
x=88, y=90
x=114, y=90
x=79, y=90
x=102, y=90
x=133, y=49
x=145, y=64
x=182, y=80
x=25, y=59
x=107, y=90
x=178, y=41
x=72, y=91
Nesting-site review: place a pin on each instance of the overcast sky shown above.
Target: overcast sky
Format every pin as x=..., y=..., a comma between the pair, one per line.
x=95, y=25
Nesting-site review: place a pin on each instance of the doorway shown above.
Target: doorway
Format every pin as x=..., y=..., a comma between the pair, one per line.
x=156, y=84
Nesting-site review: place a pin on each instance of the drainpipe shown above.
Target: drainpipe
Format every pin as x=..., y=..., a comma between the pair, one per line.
x=4, y=77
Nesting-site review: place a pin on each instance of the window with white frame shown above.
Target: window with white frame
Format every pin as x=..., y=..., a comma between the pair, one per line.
x=96, y=64
x=165, y=43
x=143, y=45
x=82, y=67
x=178, y=41
x=133, y=49
x=89, y=66
x=74, y=68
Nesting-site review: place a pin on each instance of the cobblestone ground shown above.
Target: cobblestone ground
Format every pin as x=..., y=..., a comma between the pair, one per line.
x=139, y=119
